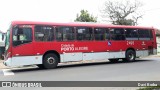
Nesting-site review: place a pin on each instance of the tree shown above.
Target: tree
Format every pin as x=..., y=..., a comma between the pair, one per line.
x=85, y=17
x=122, y=13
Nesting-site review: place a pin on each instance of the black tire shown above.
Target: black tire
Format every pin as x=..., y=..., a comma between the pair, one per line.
x=50, y=61
x=130, y=56
x=113, y=60
x=41, y=66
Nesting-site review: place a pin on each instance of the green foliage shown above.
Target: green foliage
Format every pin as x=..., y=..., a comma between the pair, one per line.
x=85, y=17
x=124, y=22
x=150, y=88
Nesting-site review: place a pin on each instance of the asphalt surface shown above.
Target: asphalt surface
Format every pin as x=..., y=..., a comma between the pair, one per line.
x=141, y=70
x=146, y=69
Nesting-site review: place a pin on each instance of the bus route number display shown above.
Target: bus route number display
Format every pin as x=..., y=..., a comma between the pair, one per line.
x=130, y=42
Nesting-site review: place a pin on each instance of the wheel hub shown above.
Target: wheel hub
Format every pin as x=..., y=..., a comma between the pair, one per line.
x=51, y=60
x=131, y=56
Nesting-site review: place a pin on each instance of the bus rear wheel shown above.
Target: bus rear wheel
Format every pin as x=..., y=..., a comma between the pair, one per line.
x=130, y=56
x=113, y=60
x=50, y=61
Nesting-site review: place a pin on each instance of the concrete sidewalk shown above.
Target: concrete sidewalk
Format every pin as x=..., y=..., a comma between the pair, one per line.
x=157, y=56
x=2, y=66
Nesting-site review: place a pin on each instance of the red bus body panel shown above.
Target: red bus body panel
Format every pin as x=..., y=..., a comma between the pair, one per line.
x=40, y=48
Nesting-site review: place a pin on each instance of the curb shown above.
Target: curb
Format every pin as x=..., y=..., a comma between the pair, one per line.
x=2, y=66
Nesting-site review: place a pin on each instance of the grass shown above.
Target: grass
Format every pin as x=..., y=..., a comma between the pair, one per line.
x=150, y=88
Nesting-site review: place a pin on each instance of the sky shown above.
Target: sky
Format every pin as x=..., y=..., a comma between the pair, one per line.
x=66, y=11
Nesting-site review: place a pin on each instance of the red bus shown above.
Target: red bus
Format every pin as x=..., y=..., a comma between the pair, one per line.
x=46, y=44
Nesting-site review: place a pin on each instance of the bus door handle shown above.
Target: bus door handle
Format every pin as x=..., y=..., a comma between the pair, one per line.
x=38, y=53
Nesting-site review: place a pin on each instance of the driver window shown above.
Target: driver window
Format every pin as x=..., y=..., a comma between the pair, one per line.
x=22, y=35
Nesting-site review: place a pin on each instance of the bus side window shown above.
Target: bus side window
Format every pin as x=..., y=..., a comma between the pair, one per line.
x=44, y=33
x=117, y=34
x=144, y=34
x=99, y=34
x=58, y=35
x=84, y=33
x=107, y=34
x=64, y=33
x=131, y=34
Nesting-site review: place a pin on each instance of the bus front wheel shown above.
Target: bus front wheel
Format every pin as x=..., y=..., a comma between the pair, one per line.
x=130, y=56
x=50, y=61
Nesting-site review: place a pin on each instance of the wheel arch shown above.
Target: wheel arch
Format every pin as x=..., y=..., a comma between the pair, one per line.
x=126, y=55
x=52, y=51
x=130, y=48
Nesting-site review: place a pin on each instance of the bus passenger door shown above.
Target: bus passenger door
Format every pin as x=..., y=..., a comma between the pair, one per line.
x=116, y=43
x=22, y=49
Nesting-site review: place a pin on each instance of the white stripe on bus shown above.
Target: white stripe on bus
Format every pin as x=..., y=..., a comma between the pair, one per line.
x=77, y=56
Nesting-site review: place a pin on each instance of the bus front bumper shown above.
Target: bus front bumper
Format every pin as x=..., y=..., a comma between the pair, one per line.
x=7, y=62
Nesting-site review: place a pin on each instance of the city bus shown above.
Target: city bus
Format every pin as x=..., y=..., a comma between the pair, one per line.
x=47, y=44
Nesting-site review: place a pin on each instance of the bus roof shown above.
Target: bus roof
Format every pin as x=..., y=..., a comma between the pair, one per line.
x=78, y=24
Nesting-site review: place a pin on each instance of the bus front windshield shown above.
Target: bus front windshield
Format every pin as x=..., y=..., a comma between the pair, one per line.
x=7, y=41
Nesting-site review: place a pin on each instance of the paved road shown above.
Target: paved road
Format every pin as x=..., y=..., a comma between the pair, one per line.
x=143, y=69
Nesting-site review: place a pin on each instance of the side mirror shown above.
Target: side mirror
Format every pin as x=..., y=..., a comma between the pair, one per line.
x=2, y=37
